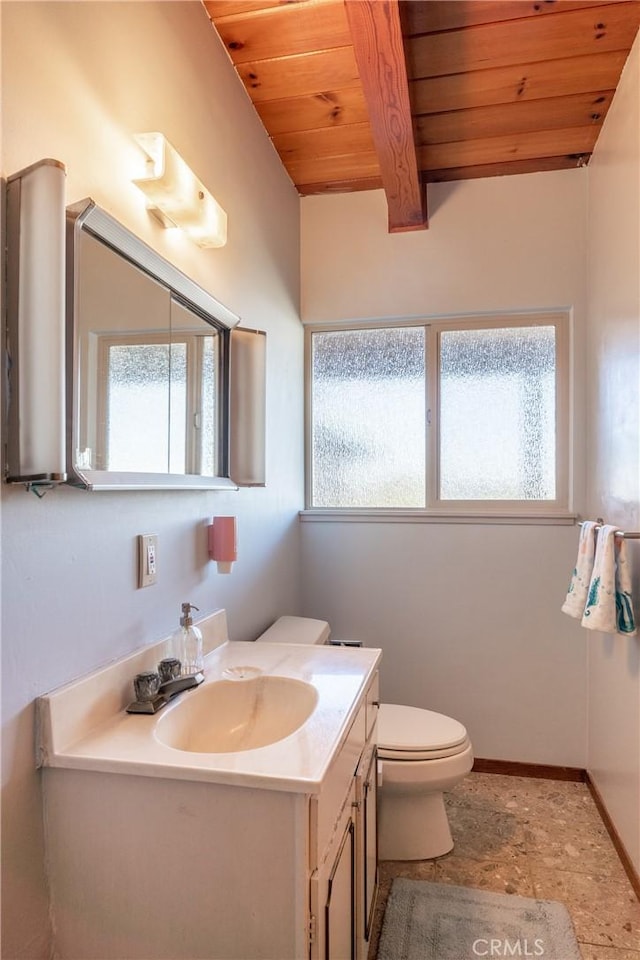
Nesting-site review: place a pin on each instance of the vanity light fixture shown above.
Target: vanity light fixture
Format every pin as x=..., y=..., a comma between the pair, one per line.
x=176, y=197
x=35, y=344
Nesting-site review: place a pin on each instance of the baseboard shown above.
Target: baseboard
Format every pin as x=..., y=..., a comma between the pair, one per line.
x=630, y=870
x=542, y=771
x=513, y=768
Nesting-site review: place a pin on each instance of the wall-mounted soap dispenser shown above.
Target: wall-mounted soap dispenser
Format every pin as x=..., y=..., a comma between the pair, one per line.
x=223, y=542
x=190, y=643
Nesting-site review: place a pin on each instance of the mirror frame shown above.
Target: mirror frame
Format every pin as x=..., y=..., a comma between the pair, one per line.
x=87, y=217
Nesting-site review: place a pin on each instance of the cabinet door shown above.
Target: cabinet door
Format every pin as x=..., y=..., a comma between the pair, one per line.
x=370, y=842
x=366, y=847
x=340, y=903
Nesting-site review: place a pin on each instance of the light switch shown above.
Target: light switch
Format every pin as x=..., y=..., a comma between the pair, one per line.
x=147, y=559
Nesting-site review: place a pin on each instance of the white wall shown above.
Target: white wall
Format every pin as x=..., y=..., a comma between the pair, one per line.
x=614, y=439
x=468, y=616
x=78, y=79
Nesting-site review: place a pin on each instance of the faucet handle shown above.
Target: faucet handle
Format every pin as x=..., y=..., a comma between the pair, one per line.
x=146, y=686
x=169, y=669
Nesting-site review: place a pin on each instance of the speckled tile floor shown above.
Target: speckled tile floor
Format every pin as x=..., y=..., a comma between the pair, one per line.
x=536, y=838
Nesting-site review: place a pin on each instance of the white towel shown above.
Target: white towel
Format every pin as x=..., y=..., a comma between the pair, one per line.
x=581, y=577
x=609, y=606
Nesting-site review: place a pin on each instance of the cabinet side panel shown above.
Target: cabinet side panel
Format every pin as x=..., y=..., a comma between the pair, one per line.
x=146, y=868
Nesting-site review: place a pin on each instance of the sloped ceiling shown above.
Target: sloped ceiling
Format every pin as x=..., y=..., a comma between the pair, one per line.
x=362, y=94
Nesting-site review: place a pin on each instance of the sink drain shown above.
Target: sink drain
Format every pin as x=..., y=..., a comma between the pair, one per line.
x=241, y=673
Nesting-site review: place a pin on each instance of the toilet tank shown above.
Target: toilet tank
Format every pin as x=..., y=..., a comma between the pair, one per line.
x=296, y=630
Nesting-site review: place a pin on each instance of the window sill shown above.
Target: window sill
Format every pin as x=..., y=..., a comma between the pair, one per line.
x=546, y=518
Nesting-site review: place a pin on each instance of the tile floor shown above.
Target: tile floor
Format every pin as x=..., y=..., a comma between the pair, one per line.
x=536, y=838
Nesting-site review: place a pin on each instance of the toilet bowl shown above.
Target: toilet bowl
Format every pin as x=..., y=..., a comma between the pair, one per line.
x=422, y=754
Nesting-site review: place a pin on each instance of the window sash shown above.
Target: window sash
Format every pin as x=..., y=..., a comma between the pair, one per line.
x=193, y=413
x=435, y=505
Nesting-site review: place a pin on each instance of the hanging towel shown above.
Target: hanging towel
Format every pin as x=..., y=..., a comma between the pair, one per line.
x=581, y=577
x=625, y=620
x=609, y=606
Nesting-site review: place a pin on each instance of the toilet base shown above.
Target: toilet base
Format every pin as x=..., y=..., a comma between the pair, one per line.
x=412, y=829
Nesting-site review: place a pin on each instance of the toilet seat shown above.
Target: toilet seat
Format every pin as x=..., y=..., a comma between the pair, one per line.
x=411, y=734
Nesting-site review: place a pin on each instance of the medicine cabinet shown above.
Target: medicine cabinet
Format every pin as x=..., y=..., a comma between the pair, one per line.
x=162, y=390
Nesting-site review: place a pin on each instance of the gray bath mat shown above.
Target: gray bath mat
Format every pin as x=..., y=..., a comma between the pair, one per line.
x=437, y=921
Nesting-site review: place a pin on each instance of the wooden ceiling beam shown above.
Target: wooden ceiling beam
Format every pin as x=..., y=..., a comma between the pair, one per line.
x=378, y=46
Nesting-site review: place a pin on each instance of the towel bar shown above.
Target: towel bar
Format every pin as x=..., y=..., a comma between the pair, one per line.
x=619, y=533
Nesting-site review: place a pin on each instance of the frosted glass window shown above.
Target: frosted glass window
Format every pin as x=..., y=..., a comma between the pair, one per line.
x=161, y=404
x=137, y=427
x=368, y=421
x=498, y=414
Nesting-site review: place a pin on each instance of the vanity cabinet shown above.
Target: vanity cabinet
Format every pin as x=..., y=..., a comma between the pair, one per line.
x=155, y=866
x=344, y=881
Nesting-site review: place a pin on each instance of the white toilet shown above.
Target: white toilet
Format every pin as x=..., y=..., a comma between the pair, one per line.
x=422, y=753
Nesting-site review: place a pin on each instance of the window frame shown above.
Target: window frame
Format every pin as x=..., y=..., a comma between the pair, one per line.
x=436, y=509
x=193, y=341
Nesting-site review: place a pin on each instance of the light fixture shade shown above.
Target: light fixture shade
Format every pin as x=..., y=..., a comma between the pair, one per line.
x=176, y=196
x=36, y=448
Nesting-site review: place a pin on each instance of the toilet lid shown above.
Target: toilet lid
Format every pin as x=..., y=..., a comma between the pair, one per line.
x=414, y=733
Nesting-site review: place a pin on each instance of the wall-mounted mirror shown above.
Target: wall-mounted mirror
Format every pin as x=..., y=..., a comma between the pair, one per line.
x=151, y=354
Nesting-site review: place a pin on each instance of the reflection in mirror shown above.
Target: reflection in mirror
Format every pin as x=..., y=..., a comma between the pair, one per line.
x=150, y=386
x=157, y=397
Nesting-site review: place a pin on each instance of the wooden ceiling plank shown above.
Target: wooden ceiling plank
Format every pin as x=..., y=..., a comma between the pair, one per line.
x=285, y=30
x=331, y=108
x=306, y=74
x=529, y=81
x=328, y=142
x=554, y=113
x=524, y=146
x=338, y=186
x=226, y=8
x=534, y=165
x=432, y=17
x=377, y=40
x=575, y=33
x=357, y=166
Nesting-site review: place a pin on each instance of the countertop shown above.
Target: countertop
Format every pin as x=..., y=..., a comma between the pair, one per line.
x=126, y=743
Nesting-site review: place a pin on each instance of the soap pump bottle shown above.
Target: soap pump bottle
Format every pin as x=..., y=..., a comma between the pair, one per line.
x=191, y=657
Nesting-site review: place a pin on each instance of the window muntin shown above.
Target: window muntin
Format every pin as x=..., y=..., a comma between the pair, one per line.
x=493, y=408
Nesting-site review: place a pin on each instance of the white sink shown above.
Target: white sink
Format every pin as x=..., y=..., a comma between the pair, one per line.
x=229, y=716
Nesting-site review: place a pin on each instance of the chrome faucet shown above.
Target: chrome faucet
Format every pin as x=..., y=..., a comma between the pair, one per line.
x=171, y=688
x=154, y=689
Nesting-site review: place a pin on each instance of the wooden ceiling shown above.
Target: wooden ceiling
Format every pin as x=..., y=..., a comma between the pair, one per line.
x=362, y=94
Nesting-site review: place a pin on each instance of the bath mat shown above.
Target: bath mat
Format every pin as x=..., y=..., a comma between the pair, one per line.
x=437, y=921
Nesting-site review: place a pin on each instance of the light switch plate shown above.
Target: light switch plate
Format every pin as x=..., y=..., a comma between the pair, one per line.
x=147, y=559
